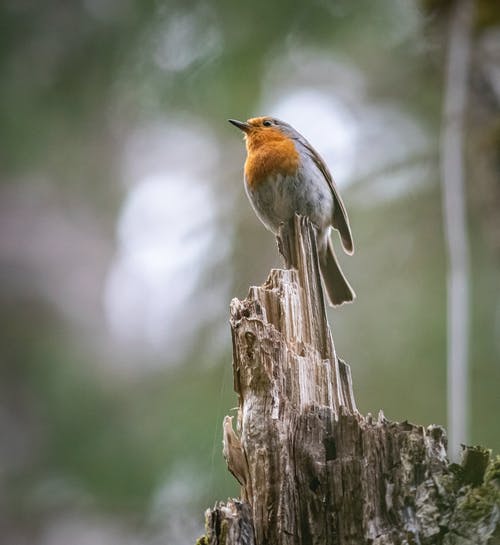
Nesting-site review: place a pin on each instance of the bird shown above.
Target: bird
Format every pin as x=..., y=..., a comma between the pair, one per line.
x=283, y=176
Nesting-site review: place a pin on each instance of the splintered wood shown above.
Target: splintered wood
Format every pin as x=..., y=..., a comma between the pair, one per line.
x=312, y=469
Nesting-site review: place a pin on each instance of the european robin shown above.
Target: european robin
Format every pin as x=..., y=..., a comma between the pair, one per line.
x=285, y=175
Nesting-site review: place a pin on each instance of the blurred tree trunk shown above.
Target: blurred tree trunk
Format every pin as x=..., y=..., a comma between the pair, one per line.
x=313, y=470
x=455, y=220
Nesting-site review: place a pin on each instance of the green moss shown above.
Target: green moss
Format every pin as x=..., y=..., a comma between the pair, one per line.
x=479, y=502
x=492, y=474
x=475, y=514
x=203, y=540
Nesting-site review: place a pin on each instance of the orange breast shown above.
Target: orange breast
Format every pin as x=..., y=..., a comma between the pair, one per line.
x=269, y=153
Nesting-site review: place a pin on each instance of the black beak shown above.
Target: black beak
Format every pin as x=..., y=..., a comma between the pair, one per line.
x=242, y=125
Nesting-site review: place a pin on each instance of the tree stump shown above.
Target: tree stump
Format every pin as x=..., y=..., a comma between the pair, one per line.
x=312, y=469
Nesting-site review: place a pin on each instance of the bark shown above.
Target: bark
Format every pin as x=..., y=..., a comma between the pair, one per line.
x=313, y=470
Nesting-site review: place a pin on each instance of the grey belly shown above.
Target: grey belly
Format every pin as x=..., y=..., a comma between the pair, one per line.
x=276, y=200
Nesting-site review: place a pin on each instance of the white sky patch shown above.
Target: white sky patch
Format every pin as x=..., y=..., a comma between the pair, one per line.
x=168, y=235
x=165, y=228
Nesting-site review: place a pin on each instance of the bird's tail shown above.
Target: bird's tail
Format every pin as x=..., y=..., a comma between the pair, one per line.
x=337, y=287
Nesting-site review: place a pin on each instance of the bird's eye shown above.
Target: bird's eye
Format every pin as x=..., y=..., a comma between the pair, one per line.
x=267, y=123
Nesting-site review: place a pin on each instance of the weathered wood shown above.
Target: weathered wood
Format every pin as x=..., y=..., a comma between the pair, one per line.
x=229, y=523
x=312, y=469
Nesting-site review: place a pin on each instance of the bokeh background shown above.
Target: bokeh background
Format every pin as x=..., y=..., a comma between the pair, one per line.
x=125, y=232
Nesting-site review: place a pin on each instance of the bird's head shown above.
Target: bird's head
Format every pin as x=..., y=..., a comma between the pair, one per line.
x=270, y=146
x=262, y=130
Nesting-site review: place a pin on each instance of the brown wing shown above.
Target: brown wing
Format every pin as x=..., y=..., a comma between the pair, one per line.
x=340, y=219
